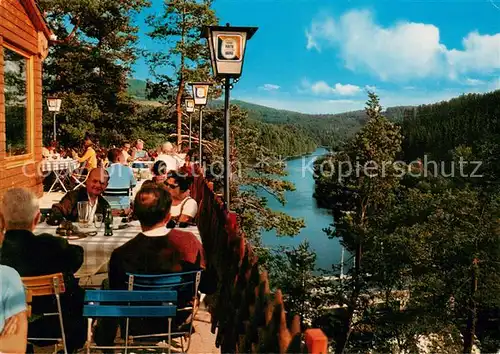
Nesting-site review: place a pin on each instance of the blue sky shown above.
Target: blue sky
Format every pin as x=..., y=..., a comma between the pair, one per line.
x=320, y=56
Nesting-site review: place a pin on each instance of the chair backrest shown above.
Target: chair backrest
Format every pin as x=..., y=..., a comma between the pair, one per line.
x=117, y=192
x=124, y=303
x=118, y=198
x=29, y=300
x=42, y=285
x=173, y=281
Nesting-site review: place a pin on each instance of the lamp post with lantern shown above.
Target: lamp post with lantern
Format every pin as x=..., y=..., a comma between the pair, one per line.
x=190, y=109
x=54, y=105
x=227, y=47
x=200, y=94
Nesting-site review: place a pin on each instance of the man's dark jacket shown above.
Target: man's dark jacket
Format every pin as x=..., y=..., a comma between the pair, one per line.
x=33, y=255
x=67, y=208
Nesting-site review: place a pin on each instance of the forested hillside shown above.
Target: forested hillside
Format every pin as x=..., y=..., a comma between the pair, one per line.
x=290, y=133
x=324, y=129
x=471, y=120
x=432, y=234
x=137, y=88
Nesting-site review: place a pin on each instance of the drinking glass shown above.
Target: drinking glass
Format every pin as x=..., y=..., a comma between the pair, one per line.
x=98, y=219
x=83, y=214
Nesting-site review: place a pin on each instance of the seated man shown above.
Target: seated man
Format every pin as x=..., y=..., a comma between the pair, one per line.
x=43, y=254
x=67, y=208
x=156, y=250
x=120, y=177
x=184, y=208
x=13, y=319
x=167, y=154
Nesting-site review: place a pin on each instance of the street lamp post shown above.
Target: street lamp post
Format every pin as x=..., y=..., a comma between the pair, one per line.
x=227, y=47
x=54, y=105
x=190, y=110
x=200, y=94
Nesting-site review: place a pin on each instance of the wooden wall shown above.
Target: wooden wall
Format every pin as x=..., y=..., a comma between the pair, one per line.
x=17, y=30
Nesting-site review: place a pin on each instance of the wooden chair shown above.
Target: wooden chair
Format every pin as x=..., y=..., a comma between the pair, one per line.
x=186, y=282
x=46, y=285
x=129, y=304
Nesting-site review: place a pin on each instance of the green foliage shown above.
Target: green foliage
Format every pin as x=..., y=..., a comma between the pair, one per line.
x=284, y=140
x=421, y=250
x=293, y=271
x=187, y=59
x=88, y=66
x=415, y=240
x=469, y=120
x=359, y=180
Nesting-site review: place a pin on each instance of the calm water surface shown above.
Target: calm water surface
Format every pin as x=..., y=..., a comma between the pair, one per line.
x=301, y=203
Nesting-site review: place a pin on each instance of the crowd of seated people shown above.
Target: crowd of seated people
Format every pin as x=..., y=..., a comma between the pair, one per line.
x=159, y=248
x=161, y=205
x=92, y=155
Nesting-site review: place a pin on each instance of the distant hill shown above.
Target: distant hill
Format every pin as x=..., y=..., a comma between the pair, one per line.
x=323, y=129
x=137, y=88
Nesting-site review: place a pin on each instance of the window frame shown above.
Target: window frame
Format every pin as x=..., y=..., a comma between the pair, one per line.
x=19, y=160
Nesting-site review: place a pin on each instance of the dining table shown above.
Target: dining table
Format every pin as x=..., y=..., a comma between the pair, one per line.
x=61, y=168
x=97, y=247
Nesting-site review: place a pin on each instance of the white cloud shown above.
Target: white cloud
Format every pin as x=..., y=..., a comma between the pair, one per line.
x=481, y=54
x=403, y=51
x=473, y=82
x=347, y=90
x=269, y=87
x=311, y=43
x=322, y=88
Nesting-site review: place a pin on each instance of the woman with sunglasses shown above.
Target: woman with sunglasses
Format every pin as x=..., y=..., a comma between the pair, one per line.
x=184, y=208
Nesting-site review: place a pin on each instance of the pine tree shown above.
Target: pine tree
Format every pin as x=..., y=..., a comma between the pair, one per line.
x=362, y=181
x=88, y=66
x=187, y=55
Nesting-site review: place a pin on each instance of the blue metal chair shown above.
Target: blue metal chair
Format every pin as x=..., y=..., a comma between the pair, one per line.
x=129, y=304
x=185, y=283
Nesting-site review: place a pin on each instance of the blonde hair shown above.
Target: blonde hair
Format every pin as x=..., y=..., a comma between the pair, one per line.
x=19, y=208
x=167, y=148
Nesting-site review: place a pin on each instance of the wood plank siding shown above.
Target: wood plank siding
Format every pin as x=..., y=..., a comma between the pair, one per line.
x=23, y=30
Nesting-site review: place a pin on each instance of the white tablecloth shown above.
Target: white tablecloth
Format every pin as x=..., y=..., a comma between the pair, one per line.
x=51, y=165
x=98, y=249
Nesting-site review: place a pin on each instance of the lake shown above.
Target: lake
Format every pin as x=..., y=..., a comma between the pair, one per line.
x=300, y=203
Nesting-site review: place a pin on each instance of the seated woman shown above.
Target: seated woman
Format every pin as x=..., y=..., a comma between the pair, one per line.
x=89, y=158
x=184, y=208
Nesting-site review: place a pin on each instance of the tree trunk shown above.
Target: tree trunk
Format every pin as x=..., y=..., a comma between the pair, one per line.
x=342, y=343
x=180, y=88
x=178, y=108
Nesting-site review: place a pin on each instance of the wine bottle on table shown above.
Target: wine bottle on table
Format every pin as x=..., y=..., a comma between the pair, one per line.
x=108, y=223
